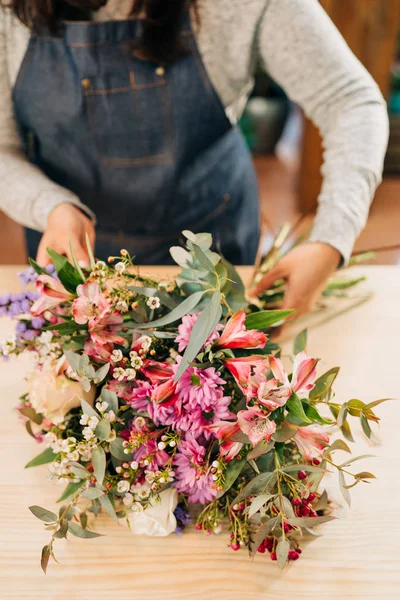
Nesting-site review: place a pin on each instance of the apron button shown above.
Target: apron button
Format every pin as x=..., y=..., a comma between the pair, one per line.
x=160, y=71
x=86, y=83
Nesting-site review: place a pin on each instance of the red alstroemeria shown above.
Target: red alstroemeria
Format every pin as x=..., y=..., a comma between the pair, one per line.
x=105, y=331
x=52, y=294
x=235, y=334
x=225, y=431
x=91, y=304
x=249, y=373
x=304, y=372
x=156, y=371
x=101, y=353
x=164, y=393
x=256, y=425
x=311, y=441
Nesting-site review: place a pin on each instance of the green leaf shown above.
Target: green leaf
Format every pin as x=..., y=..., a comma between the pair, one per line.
x=295, y=407
x=339, y=445
x=284, y=432
x=204, y=261
x=65, y=327
x=349, y=462
x=74, y=259
x=101, y=373
x=43, y=514
x=282, y=551
x=300, y=343
x=45, y=557
x=342, y=415
x=83, y=519
x=365, y=475
x=91, y=493
x=343, y=489
x=103, y=430
x=67, y=274
x=262, y=448
x=71, y=490
x=310, y=521
x=62, y=530
x=38, y=269
x=324, y=384
x=259, y=536
x=99, y=463
x=117, y=449
x=111, y=398
x=90, y=252
x=187, y=306
x=202, y=329
x=31, y=414
x=47, y=456
x=233, y=470
x=82, y=533
x=259, y=484
x=67, y=512
x=106, y=503
x=266, y=318
x=300, y=467
x=377, y=402
x=87, y=409
x=314, y=415
x=322, y=501
x=258, y=502
x=365, y=426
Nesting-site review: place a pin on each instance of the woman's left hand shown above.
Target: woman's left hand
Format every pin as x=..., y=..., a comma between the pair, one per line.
x=306, y=270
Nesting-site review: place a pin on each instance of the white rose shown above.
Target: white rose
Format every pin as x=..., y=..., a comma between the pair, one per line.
x=53, y=394
x=158, y=520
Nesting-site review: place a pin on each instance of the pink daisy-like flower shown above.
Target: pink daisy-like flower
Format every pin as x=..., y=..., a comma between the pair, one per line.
x=185, y=329
x=140, y=396
x=193, y=476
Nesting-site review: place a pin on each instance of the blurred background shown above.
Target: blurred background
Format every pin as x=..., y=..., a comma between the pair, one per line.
x=287, y=148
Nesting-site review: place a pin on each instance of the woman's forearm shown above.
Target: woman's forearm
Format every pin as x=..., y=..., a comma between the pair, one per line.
x=305, y=53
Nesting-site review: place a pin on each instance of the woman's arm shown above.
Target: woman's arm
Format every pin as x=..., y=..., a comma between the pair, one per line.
x=26, y=194
x=304, y=52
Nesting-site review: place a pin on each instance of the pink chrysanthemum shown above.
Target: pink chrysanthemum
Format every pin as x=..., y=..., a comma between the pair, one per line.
x=185, y=329
x=192, y=474
x=140, y=396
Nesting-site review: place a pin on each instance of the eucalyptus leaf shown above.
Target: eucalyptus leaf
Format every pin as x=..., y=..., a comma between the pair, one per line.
x=300, y=343
x=282, y=551
x=45, y=557
x=62, y=530
x=310, y=521
x=101, y=373
x=186, y=307
x=284, y=432
x=346, y=463
x=117, y=449
x=203, y=259
x=202, y=329
x=259, y=536
x=78, y=531
x=91, y=493
x=108, y=506
x=43, y=514
x=365, y=426
x=88, y=410
x=99, y=463
x=71, y=490
x=322, y=501
x=260, y=484
x=111, y=398
x=339, y=445
x=103, y=430
x=301, y=467
x=233, y=470
x=343, y=489
x=47, y=456
x=262, y=448
x=258, y=502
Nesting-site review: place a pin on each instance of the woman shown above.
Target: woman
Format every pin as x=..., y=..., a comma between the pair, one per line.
x=126, y=115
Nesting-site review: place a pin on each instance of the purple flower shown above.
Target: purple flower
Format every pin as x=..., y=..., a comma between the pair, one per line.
x=15, y=309
x=5, y=300
x=25, y=305
x=32, y=296
x=20, y=327
x=28, y=276
x=30, y=335
x=38, y=322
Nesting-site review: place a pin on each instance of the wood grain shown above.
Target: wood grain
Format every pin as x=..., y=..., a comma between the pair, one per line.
x=357, y=558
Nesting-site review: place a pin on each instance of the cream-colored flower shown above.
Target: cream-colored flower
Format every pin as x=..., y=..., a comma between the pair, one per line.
x=158, y=519
x=53, y=394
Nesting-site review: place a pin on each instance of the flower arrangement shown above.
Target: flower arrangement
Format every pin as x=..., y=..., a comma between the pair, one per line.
x=152, y=396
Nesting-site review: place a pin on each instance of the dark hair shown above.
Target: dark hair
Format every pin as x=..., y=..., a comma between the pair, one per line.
x=162, y=21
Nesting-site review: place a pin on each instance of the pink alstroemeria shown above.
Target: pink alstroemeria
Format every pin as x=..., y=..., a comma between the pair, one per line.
x=164, y=393
x=52, y=294
x=91, y=304
x=272, y=395
x=157, y=371
x=249, y=373
x=225, y=431
x=105, y=330
x=101, y=353
x=311, y=441
x=304, y=372
x=235, y=334
x=256, y=425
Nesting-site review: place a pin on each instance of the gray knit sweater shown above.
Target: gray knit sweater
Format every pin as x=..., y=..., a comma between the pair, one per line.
x=299, y=47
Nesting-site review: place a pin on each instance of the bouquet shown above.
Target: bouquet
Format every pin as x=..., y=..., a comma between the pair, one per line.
x=152, y=397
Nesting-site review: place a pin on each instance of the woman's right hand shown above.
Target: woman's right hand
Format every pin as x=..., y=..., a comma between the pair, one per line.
x=66, y=224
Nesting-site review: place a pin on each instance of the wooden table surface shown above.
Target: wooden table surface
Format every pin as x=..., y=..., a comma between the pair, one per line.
x=357, y=558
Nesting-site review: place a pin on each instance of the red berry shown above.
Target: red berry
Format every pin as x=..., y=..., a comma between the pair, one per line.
x=302, y=475
x=269, y=544
x=208, y=532
x=273, y=556
x=109, y=486
x=198, y=527
x=316, y=461
x=235, y=546
x=298, y=512
x=305, y=511
x=296, y=501
x=293, y=555
x=287, y=527
x=311, y=497
x=241, y=506
x=261, y=549
x=299, y=550
x=313, y=514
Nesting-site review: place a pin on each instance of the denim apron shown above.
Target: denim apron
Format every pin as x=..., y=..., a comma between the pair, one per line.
x=147, y=147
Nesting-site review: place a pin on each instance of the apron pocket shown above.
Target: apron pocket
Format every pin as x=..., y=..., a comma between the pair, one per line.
x=139, y=116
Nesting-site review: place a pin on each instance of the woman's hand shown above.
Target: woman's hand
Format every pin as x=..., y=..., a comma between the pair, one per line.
x=66, y=223
x=306, y=270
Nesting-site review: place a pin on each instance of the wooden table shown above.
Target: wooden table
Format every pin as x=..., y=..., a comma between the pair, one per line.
x=356, y=558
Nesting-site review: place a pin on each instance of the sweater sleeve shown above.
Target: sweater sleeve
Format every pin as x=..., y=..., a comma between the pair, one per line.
x=26, y=194
x=305, y=53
